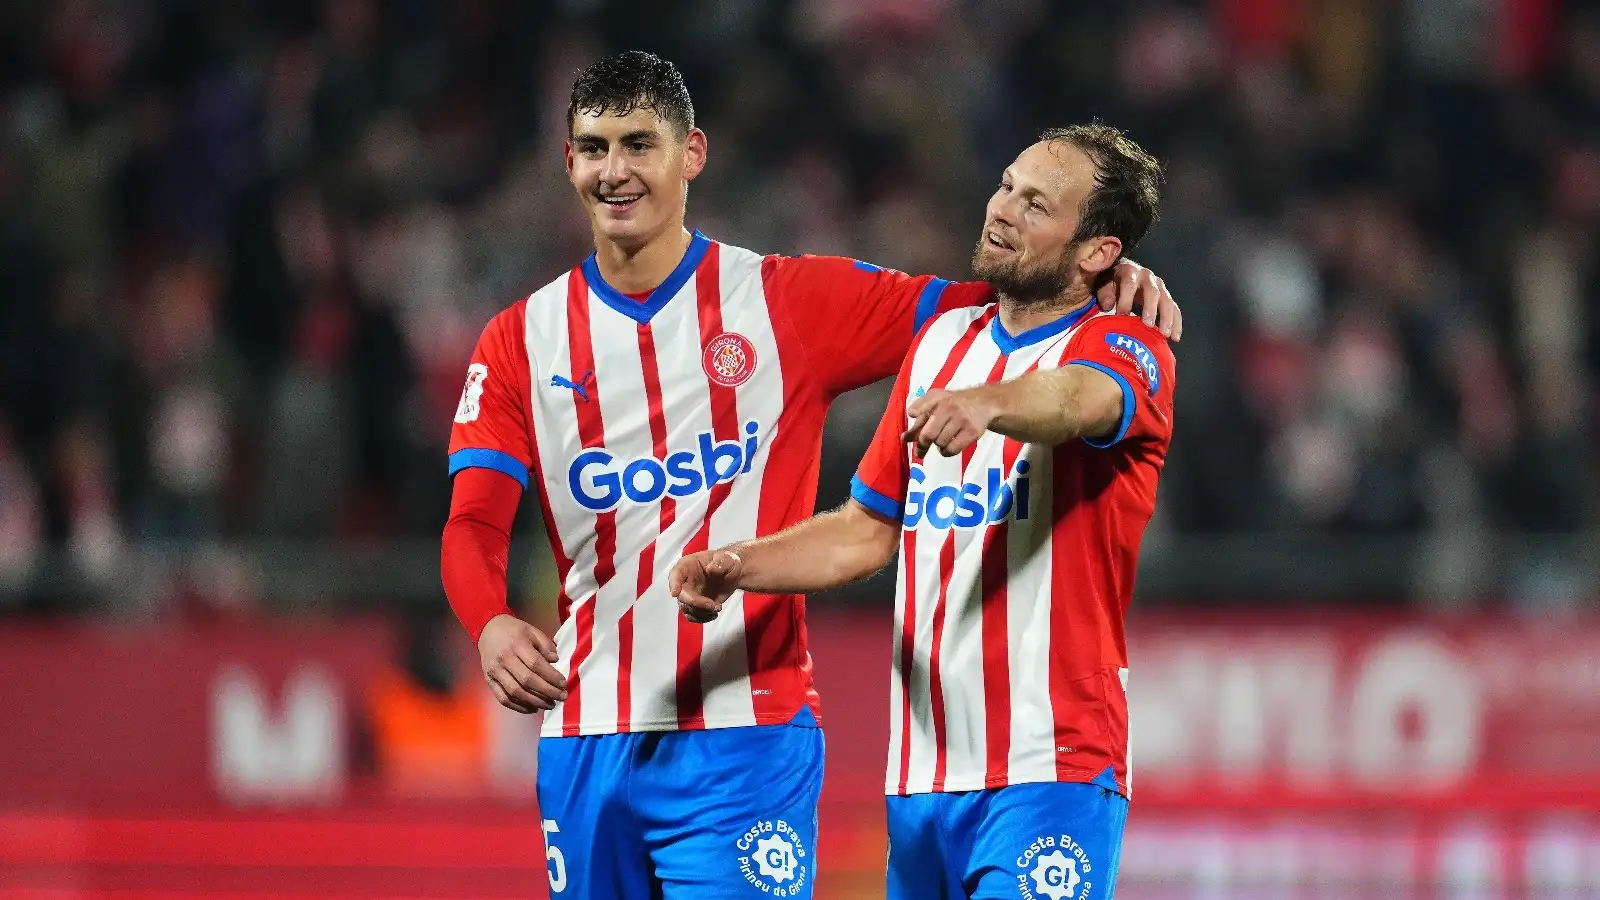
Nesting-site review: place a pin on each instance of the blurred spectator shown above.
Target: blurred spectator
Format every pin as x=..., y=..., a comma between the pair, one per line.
x=21, y=517
x=247, y=249
x=428, y=723
x=434, y=727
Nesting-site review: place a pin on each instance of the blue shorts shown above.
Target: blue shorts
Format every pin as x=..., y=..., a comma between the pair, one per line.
x=1031, y=841
x=726, y=813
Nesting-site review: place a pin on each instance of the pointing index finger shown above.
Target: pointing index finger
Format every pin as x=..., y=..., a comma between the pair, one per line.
x=912, y=430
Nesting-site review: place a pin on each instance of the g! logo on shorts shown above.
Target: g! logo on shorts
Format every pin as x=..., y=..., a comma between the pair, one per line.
x=772, y=857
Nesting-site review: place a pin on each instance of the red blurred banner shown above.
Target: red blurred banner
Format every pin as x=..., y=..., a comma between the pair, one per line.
x=1348, y=711
x=297, y=755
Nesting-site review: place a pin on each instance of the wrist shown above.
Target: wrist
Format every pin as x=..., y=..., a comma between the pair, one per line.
x=741, y=554
x=988, y=401
x=476, y=630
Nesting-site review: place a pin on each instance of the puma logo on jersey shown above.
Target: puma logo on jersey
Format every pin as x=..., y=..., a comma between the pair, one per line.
x=578, y=387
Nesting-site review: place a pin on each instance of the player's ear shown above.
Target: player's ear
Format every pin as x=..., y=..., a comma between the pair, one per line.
x=566, y=156
x=695, y=146
x=1099, y=254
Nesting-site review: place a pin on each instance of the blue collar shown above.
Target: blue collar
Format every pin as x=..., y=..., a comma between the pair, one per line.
x=1034, y=335
x=644, y=312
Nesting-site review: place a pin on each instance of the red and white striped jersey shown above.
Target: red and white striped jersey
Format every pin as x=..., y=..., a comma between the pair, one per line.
x=1017, y=561
x=660, y=425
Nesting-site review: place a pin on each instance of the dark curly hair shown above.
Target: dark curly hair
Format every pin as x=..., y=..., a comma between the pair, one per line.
x=1126, y=199
x=624, y=82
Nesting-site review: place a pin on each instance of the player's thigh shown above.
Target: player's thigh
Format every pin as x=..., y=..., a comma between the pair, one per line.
x=593, y=849
x=732, y=813
x=919, y=867
x=1048, y=842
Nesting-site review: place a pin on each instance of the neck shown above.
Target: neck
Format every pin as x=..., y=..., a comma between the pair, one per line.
x=1017, y=316
x=637, y=269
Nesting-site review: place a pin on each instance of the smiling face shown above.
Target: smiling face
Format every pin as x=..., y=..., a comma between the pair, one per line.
x=632, y=173
x=1027, y=249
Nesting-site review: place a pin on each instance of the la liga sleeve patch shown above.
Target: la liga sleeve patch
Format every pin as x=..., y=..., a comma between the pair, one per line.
x=472, y=394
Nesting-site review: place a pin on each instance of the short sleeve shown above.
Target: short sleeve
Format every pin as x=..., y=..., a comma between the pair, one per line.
x=493, y=423
x=855, y=319
x=1140, y=360
x=881, y=481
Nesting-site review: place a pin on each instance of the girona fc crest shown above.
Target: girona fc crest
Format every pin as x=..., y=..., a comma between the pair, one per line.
x=730, y=359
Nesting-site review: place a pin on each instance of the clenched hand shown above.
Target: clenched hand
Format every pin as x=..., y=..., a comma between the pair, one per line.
x=949, y=420
x=703, y=581
x=518, y=663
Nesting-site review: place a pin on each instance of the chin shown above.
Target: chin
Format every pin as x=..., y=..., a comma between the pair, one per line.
x=990, y=266
x=622, y=231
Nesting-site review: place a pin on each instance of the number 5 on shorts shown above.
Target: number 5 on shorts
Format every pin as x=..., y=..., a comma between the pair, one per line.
x=558, y=863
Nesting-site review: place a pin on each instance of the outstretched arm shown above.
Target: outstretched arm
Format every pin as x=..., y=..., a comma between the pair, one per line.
x=1116, y=382
x=822, y=552
x=1049, y=407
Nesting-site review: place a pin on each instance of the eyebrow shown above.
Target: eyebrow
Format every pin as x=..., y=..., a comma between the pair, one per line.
x=640, y=134
x=1028, y=192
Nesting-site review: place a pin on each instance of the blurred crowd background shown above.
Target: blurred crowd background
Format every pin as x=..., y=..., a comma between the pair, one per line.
x=246, y=248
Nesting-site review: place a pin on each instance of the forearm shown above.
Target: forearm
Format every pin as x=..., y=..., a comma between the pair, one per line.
x=822, y=552
x=473, y=570
x=1050, y=407
x=475, y=545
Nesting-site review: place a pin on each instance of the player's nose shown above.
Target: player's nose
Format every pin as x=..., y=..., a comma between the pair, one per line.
x=615, y=171
x=1008, y=211
x=999, y=215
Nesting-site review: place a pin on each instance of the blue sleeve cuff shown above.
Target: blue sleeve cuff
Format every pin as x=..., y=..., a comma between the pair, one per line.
x=928, y=303
x=477, y=458
x=1127, y=403
x=871, y=499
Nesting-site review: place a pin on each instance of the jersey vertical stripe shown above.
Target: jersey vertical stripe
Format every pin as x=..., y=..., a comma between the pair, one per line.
x=554, y=437
x=950, y=350
x=592, y=433
x=557, y=547
x=725, y=427
x=936, y=701
x=1068, y=687
x=620, y=372
x=647, y=560
x=995, y=616
x=964, y=683
x=900, y=740
x=900, y=678
x=726, y=656
x=1032, y=753
x=779, y=662
x=685, y=410
x=996, y=666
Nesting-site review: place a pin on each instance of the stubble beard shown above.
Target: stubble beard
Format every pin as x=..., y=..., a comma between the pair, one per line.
x=1034, y=286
